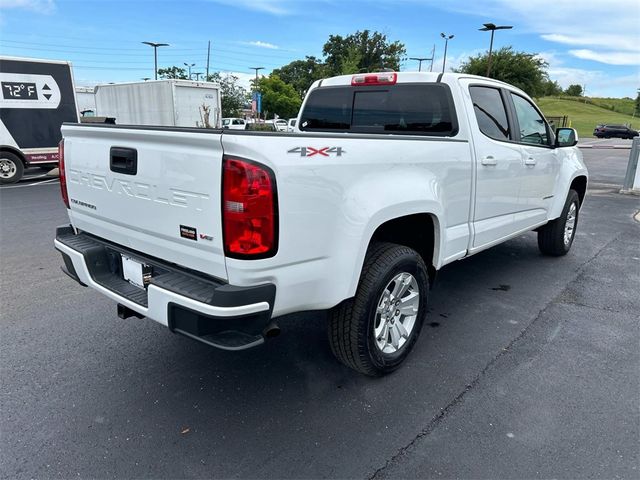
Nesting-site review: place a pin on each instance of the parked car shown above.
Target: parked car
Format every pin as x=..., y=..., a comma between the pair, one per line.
x=233, y=123
x=281, y=124
x=291, y=125
x=615, y=131
x=391, y=177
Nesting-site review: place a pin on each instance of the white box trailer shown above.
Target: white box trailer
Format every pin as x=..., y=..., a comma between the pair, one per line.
x=37, y=98
x=86, y=100
x=175, y=103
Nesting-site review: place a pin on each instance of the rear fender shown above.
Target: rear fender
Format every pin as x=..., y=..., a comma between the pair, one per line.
x=378, y=199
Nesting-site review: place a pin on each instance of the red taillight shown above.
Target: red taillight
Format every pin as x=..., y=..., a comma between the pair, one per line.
x=375, y=79
x=249, y=209
x=62, y=173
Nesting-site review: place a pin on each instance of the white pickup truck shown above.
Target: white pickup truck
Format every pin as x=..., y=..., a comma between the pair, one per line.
x=387, y=178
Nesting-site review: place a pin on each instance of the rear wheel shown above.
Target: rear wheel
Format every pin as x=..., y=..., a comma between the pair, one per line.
x=556, y=237
x=11, y=168
x=375, y=331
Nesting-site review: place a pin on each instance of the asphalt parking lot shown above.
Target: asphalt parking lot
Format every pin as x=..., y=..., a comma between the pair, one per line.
x=528, y=367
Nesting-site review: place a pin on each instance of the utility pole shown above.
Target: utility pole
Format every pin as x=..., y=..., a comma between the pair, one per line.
x=255, y=88
x=492, y=27
x=446, y=43
x=189, y=65
x=155, y=54
x=208, y=56
x=433, y=55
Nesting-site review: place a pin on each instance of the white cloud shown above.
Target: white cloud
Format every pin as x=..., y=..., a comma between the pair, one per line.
x=258, y=43
x=40, y=6
x=620, y=42
x=611, y=58
x=274, y=7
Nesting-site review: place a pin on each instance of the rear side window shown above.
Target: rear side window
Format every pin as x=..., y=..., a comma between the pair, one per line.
x=409, y=109
x=490, y=112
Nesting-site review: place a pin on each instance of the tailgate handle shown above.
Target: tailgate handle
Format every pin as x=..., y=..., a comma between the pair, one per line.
x=123, y=160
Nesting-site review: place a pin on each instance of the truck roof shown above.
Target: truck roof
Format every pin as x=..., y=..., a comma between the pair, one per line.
x=409, y=77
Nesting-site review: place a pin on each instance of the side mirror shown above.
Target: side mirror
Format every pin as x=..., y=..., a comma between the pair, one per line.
x=566, y=137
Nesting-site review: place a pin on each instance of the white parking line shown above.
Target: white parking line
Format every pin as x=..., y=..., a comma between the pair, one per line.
x=34, y=184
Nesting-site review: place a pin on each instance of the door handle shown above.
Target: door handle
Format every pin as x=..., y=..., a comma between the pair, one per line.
x=489, y=160
x=530, y=161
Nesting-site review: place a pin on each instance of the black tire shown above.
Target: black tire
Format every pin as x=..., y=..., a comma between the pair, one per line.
x=353, y=322
x=11, y=168
x=551, y=237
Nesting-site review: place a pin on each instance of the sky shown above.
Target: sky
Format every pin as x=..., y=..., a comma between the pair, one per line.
x=592, y=43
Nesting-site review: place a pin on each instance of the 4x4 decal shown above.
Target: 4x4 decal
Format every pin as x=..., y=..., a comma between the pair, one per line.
x=324, y=151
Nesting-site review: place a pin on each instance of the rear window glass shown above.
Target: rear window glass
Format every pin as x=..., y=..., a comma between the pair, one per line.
x=409, y=109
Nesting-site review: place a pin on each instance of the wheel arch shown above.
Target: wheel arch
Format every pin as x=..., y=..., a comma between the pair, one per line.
x=15, y=151
x=419, y=231
x=579, y=184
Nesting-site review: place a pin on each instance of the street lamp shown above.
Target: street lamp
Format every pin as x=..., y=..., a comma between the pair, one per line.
x=155, y=54
x=197, y=74
x=420, y=59
x=446, y=43
x=189, y=65
x=256, y=86
x=492, y=27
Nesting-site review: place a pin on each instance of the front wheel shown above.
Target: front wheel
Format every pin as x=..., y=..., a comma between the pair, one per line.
x=11, y=168
x=375, y=331
x=556, y=237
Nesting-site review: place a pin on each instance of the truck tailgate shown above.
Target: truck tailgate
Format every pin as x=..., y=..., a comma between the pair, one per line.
x=153, y=191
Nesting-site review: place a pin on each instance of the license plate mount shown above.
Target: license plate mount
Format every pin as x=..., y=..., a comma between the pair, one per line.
x=135, y=272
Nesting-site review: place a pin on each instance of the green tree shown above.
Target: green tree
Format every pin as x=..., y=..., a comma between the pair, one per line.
x=574, y=90
x=300, y=74
x=364, y=51
x=233, y=96
x=526, y=71
x=637, y=109
x=172, y=73
x=278, y=97
x=551, y=89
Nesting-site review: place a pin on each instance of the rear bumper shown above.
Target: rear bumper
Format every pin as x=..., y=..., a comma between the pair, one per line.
x=203, y=308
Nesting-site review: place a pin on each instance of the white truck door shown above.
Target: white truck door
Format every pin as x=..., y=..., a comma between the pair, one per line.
x=540, y=160
x=499, y=165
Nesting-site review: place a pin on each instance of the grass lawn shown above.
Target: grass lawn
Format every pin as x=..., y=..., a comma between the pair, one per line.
x=584, y=117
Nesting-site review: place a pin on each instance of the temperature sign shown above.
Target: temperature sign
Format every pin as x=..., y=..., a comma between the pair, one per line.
x=19, y=91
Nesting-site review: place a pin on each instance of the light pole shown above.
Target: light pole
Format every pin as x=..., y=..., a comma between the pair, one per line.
x=189, y=65
x=256, y=87
x=155, y=54
x=446, y=43
x=492, y=27
x=197, y=74
x=420, y=59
